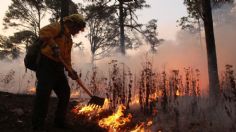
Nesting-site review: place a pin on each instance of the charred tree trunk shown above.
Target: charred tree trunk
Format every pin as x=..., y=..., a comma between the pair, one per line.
x=211, y=50
x=122, y=32
x=147, y=110
x=129, y=89
x=164, y=94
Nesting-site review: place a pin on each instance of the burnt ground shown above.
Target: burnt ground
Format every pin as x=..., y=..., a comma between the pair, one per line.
x=16, y=111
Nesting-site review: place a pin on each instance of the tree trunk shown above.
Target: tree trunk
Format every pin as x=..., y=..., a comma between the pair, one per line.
x=93, y=59
x=38, y=24
x=64, y=8
x=122, y=33
x=64, y=12
x=211, y=50
x=93, y=49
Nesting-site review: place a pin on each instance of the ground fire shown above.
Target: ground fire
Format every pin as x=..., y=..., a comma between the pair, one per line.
x=31, y=90
x=116, y=120
x=155, y=97
x=142, y=126
x=149, y=101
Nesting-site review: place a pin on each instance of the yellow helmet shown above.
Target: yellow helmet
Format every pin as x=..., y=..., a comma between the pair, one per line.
x=77, y=18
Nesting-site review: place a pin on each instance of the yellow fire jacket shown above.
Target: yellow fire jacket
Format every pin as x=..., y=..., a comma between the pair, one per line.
x=50, y=35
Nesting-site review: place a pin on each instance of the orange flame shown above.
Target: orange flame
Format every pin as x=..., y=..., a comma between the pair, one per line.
x=32, y=90
x=90, y=110
x=139, y=128
x=116, y=120
x=135, y=100
x=177, y=93
x=142, y=126
x=75, y=94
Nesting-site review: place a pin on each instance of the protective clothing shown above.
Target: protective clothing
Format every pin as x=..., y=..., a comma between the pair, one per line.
x=50, y=71
x=51, y=77
x=51, y=35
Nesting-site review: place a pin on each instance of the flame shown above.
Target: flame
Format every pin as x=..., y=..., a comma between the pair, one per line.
x=142, y=126
x=106, y=104
x=139, y=128
x=90, y=110
x=116, y=120
x=32, y=90
x=177, y=93
x=149, y=123
x=75, y=94
x=135, y=100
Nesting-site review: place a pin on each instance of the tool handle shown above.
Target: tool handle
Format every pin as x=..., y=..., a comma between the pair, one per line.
x=69, y=69
x=85, y=89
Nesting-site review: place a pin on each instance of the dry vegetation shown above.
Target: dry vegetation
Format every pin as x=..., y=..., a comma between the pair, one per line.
x=145, y=101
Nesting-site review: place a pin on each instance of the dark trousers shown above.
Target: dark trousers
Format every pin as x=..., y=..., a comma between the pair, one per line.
x=50, y=76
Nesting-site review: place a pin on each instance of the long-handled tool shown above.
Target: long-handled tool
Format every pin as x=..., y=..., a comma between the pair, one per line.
x=94, y=99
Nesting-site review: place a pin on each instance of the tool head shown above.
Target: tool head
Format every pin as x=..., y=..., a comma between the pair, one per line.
x=96, y=101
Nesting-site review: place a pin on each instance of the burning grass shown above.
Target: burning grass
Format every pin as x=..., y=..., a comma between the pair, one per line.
x=153, y=101
x=159, y=102
x=103, y=116
x=118, y=121
x=115, y=121
x=143, y=126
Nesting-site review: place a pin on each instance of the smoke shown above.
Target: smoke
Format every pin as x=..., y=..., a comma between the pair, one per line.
x=187, y=50
x=14, y=78
x=226, y=39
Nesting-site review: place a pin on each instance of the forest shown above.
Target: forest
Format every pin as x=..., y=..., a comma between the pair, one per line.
x=126, y=63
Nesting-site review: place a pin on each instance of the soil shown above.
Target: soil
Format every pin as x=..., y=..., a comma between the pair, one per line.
x=16, y=111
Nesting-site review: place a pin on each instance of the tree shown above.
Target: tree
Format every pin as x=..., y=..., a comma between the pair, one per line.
x=8, y=50
x=202, y=10
x=25, y=14
x=192, y=22
x=103, y=28
x=124, y=22
x=211, y=50
x=150, y=34
x=127, y=17
x=11, y=46
x=55, y=6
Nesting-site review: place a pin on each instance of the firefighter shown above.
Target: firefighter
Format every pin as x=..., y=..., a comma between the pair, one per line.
x=50, y=72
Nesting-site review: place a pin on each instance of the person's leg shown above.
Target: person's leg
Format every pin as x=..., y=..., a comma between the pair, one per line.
x=47, y=75
x=62, y=91
x=43, y=91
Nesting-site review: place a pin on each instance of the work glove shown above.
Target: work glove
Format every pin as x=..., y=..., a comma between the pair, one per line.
x=55, y=50
x=73, y=75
